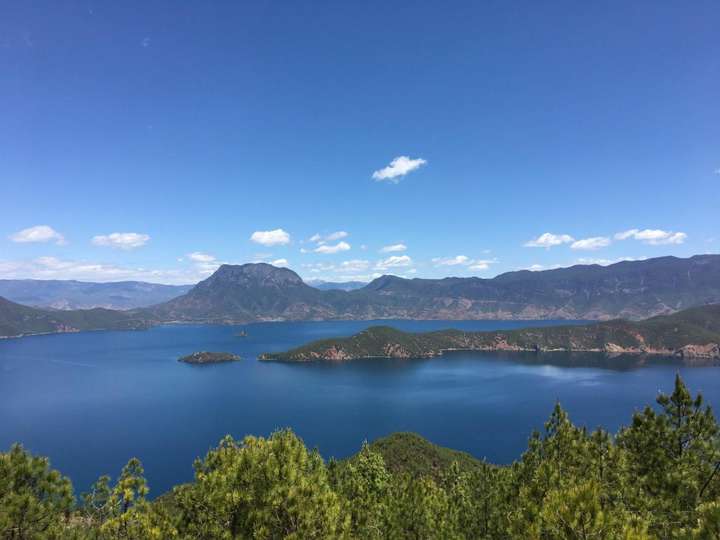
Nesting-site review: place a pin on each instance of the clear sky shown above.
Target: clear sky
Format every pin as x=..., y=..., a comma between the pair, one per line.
x=154, y=140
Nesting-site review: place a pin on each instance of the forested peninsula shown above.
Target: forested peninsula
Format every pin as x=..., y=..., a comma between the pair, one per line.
x=693, y=334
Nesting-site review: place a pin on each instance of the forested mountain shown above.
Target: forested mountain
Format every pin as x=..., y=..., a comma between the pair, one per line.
x=630, y=289
x=692, y=333
x=657, y=478
x=17, y=320
x=71, y=294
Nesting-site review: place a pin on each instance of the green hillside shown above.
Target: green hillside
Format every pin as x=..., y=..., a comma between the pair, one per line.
x=690, y=333
x=18, y=320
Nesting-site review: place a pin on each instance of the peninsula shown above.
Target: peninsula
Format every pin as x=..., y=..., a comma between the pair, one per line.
x=693, y=333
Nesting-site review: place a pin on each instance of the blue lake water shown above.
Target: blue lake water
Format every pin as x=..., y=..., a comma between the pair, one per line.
x=91, y=401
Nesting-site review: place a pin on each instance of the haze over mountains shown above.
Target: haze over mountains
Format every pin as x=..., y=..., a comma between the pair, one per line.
x=630, y=289
x=71, y=294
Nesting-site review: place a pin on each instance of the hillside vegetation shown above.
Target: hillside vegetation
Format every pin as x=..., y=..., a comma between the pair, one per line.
x=657, y=478
x=17, y=320
x=692, y=333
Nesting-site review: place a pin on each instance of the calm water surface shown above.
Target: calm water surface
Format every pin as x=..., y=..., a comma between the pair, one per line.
x=91, y=401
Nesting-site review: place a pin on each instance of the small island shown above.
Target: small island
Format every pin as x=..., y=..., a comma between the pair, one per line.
x=692, y=334
x=205, y=357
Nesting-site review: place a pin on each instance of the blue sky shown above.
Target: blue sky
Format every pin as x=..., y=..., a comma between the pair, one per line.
x=156, y=140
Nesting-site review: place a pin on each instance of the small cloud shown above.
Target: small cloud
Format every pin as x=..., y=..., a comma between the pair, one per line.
x=198, y=256
x=595, y=242
x=717, y=171
x=354, y=265
x=535, y=267
x=279, y=262
x=394, y=261
x=606, y=262
x=121, y=240
x=145, y=42
x=393, y=248
x=320, y=239
x=276, y=237
x=464, y=260
x=329, y=249
x=549, y=240
x=452, y=261
x=400, y=166
x=481, y=264
x=38, y=233
x=653, y=237
x=363, y=247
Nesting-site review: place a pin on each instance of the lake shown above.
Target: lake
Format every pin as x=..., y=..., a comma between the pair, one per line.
x=91, y=401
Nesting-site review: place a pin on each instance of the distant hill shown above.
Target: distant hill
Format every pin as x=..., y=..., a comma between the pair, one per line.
x=630, y=289
x=17, y=320
x=71, y=294
x=336, y=285
x=410, y=453
x=692, y=333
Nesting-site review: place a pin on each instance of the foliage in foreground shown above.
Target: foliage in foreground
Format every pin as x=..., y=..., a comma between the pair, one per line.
x=657, y=478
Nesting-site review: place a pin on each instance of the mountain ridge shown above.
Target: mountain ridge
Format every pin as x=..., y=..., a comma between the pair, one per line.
x=629, y=289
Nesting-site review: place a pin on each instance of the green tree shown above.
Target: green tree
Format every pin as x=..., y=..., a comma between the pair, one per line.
x=364, y=484
x=122, y=511
x=35, y=500
x=261, y=488
x=673, y=457
x=420, y=510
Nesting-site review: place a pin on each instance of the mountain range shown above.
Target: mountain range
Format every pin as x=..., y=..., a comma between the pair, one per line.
x=238, y=294
x=71, y=294
x=629, y=289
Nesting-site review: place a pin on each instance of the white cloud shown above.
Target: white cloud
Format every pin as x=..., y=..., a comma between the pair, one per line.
x=481, y=264
x=38, y=233
x=595, y=242
x=452, y=261
x=121, y=240
x=464, y=260
x=400, y=166
x=548, y=240
x=354, y=265
x=279, y=262
x=198, y=256
x=535, y=267
x=320, y=239
x=276, y=237
x=393, y=248
x=336, y=236
x=654, y=237
x=606, y=262
x=394, y=261
x=329, y=249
